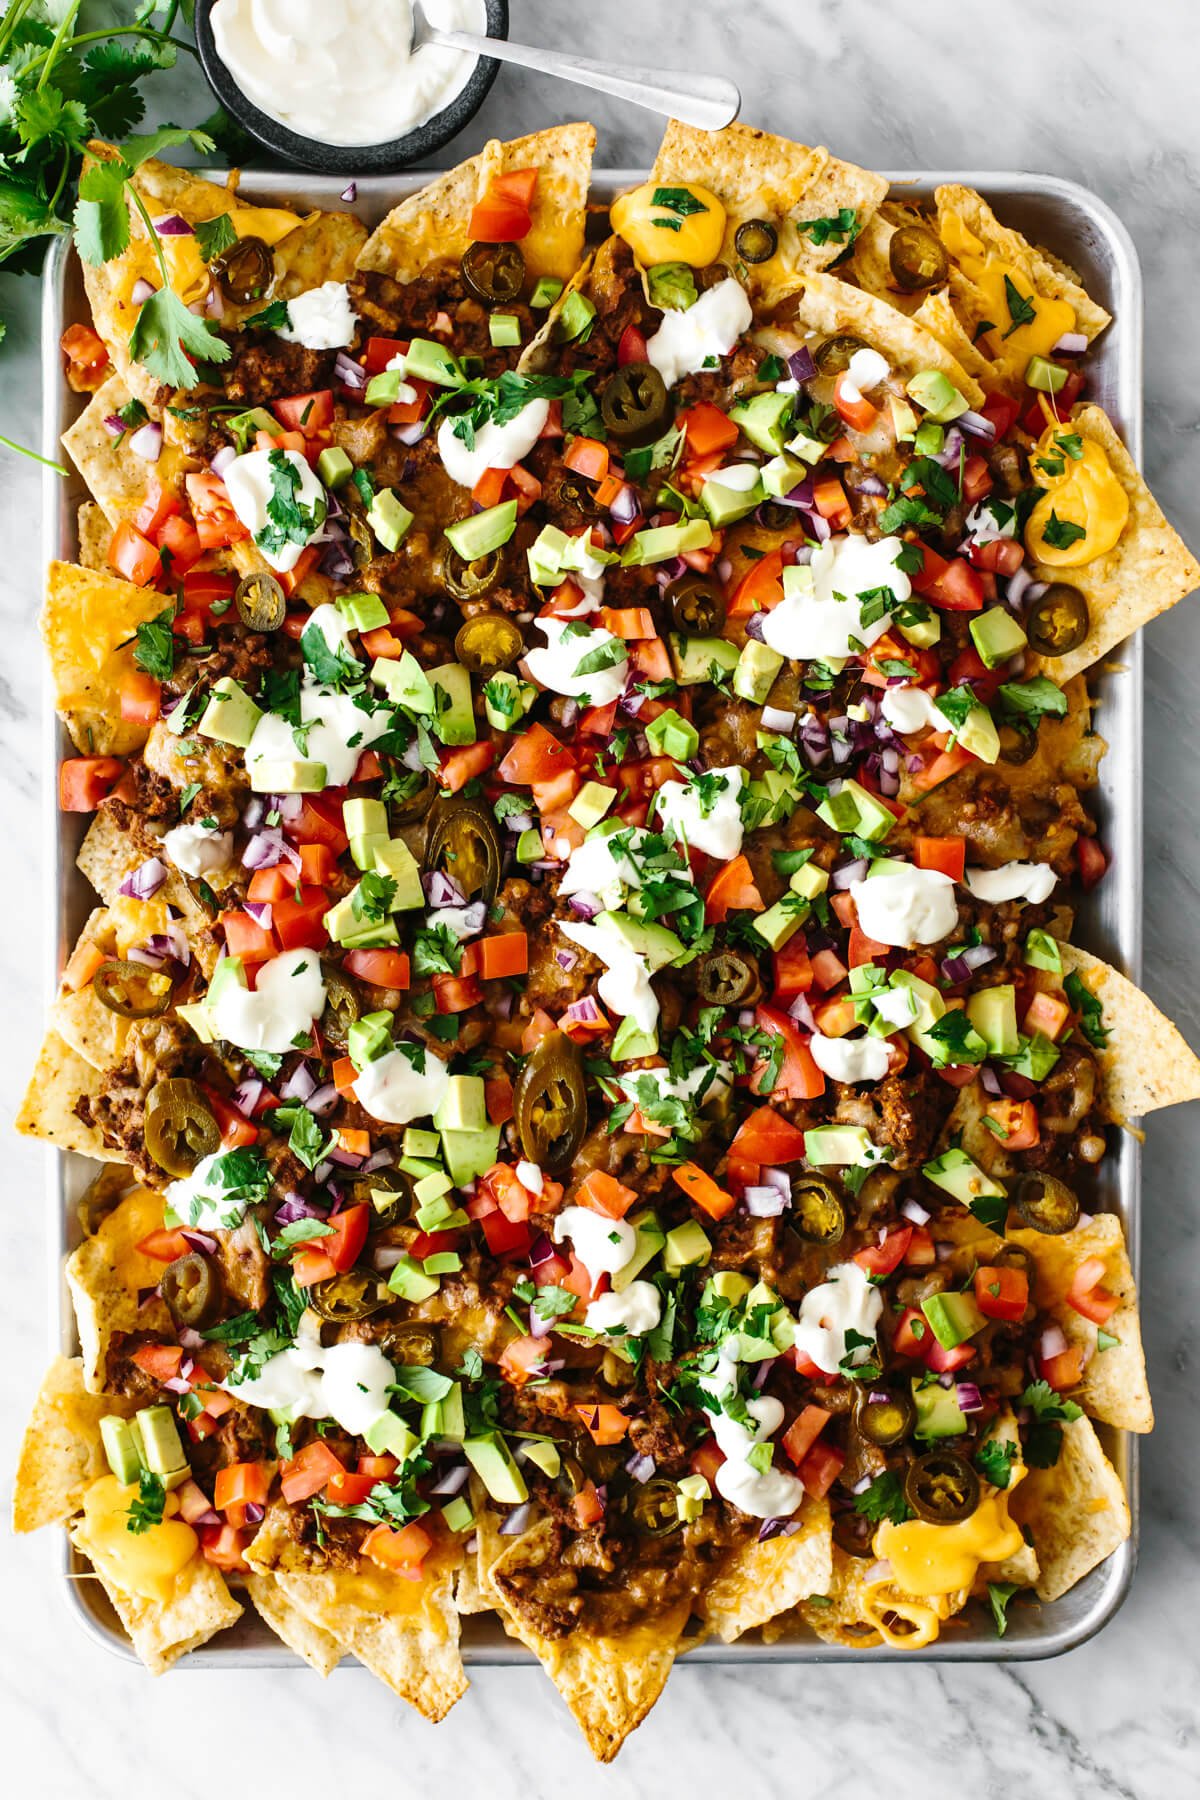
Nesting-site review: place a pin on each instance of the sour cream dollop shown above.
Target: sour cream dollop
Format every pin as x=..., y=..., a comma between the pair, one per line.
x=495, y=447
x=393, y=1090
x=705, y=812
x=338, y=73
x=1012, y=881
x=289, y=993
x=250, y=484
x=195, y=851
x=321, y=319
x=822, y=604
x=906, y=906
x=686, y=341
x=347, y=1382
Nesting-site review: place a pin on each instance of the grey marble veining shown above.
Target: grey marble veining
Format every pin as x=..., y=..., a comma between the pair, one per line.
x=1105, y=95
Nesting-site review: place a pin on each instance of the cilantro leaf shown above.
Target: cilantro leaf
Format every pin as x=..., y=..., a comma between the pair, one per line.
x=1020, y=310
x=1089, y=1008
x=995, y=1459
x=436, y=951
x=214, y=236
x=1060, y=534
x=168, y=340
x=999, y=1595
x=1032, y=699
x=839, y=228
x=372, y=898
x=147, y=1509
x=884, y=1499
x=275, y=317
x=155, y=648
x=678, y=200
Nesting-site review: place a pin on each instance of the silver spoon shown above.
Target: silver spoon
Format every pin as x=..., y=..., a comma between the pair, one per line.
x=706, y=101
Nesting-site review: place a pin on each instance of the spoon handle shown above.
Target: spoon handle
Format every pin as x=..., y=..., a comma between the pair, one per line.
x=706, y=101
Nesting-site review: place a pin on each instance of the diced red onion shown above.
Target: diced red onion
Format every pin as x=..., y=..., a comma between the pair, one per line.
x=248, y=1093
x=144, y=882
x=517, y=1520
x=452, y=1482
x=942, y=1250
x=264, y=849
x=1052, y=1342
x=624, y=507
x=409, y=434
x=322, y=1172
x=322, y=1101
x=542, y=1252
x=871, y=484
x=849, y=872
x=990, y=1081
x=442, y=890
x=200, y=1240
x=350, y=373
x=115, y=425
x=566, y=959
x=539, y=1327
x=146, y=958
x=1071, y=343
x=214, y=305
x=754, y=627
x=762, y=1373
x=300, y=1083
x=350, y=195
x=221, y=461
x=173, y=225
x=802, y=1012
x=970, y=1400
x=1019, y=585
x=764, y=1202
x=587, y=905
x=141, y=291
x=261, y=912
x=801, y=366
x=976, y=425
x=386, y=1257
x=773, y=1528
x=571, y=710
x=641, y=1468
x=775, y=718
x=912, y=1209
x=346, y=1159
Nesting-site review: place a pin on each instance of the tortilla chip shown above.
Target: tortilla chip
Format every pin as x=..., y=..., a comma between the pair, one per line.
x=434, y=224
x=1076, y=1511
x=95, y=536
x=105, y=1275
x=61, y=1453
x=1021, y=1567
x=200, y=1606
x=1114, y=1386
x=404, y=1632
x=60, y=1078
x=1146, y=1063
x=851, y=1612
x=91, y=1029
x=115, y=477
x=320, y=1650
x=1147, y=570
x=769, y=1578
x=829, y=307
x=87, y=624
x=758, y=176
x=109, y=853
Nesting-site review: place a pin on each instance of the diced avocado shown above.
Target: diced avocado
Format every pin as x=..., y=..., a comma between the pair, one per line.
x=452, y=1423
x=470, y=1153
x=394, y=858
x=1042, y=952
x=122, y=1447
x=244, y=427
x=853, y=809
x=693, y=1491
x=345, y=926
x=543, y=1456
x=591, y=803
x=953, y=1318
x=415, y=1142
x=430, y=1191
x=922, y=633
x=993, y=1013
x=383, y=389
x=364, y=818
x=658, y=945
x=671, y=286
x=1044, y=376
x=365, y=612
x=780, y=922
x=694, y=658
x=929, y=439
x=388, y=1435
x=289, y=778
x=425, y=360
x=808, y=449
x=757, y=667
x=764, y=419
x=769, y=799
x=727, y=1284
x=404, y=682
x=334, y=467
x=662, y=543
x=197, y=1015
x=409, y=1280
x=726, y=505
x=671, y=735
x=937, y=394
x=457, y=1514
x=686, y=1247
x=455, y=719
x=483, y=532
x=389, y=518
x=504, y=329
x=837, y=1146
x=904, y=422
x=650, y=1240
x=997, y=635
x=229, y=972
x=370, y=1037
x=530, y=847
x=781, y=475
x=956, y=1175
x=493, y=1462
x=808, y=881
x=631, y=1042
x=418, y=1166
x=463, y=1106
x=363, y=849
x=574, y=320
x=162, y=1452
x=231, y=715
x=442, y=1262
x=930, y=1007
x=506, y=699
x=548, y=288
x=938, y=1413
x=978, y=734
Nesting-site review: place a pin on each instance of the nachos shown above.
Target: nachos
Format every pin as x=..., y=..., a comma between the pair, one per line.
x=586, y=742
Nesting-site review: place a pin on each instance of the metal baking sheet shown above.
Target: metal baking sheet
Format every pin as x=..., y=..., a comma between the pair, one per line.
x=1082, y=230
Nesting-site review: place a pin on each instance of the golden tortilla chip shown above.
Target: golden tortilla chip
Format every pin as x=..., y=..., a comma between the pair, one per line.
x=95, y=536
x=434, y=224
x=1021, y=1567
x=105, y=1275
x=769, y=1578
x=115, y=477
x=61, y=1453
x=320, y=1650
x=1114, y=1386
x=200, y=1606
x=89, y=623
x=824, y=305
x=1146, y=1063
x=107, y=855
x=60, y=1078
x=863, y=1608
x=404, y=1632
x=91, y=1029
x=758, y=176
x=1076, y=1512
x=1146, y=572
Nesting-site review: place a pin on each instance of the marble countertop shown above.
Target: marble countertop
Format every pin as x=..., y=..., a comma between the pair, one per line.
x=1107, y=97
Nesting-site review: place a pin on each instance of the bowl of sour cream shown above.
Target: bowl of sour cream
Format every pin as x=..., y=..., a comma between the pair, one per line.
x=335, y=84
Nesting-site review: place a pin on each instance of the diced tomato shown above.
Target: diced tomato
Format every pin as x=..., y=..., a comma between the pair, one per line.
x=706, y=1459
x=299, y=924
x=217, y=525
x=133, y=557
x=506, y=1237
x=309, y=414
x=598, y=721
x=320, y=822
x=1041, y=409
x=587, y=1506
x=1047, y=1013
x=432, y=1243
x=969, y=666
x=976, y=479
x=310, y=1266
x=521, y=1357
x=912, y=1334
x=945, y=764
x=509, y=1192
x=820, y=1469
x=804, y=1364
x=604, y=1424
x=291, y=580
x=1063, y=1371
x=708, y=430
x=164, y=1245
x=703, y=1191
x=945, y=1362
x=881, y=1259
x=1017, y=1121
x=922, y=1251
x=358, y=1143
x=1001, y=410
x=628, y=621
x=603, y=1193
x=765, y=1139
x=455, y=995
x=240, y=1485
x=318, y=866
x=587, y=457
x=308, y=1472
x=760, y=588
x=946, y=854
x=82, y=964
x=178, y=545
x=852, y=406
x=997, y=556
x=793, y=970
x=1092, y=861
x=829, y=497
x=87, y=357
x=156, y=508
x=632, y=347
x=224, y=1546
x=271, y=884
x=503, y=216
x=732, y=889
x=536, y=756
x=799, y=1077
x=161, y=1362
x=140, y=698
x=236, y=1130
x=344, y=1072
x=379, y=1468
x=498, y=1097
x=863, y=949
x=349, y=1235
x=350, y=1489
x=381, y=351
x=1086, y=1295
x=956, y=586
x=246, y=938
x=402, y=1551
x=804, y=1431
x=203, y=587
x=540, y=1026
x=836, y=1018
x=493, y=958
x=1001, y=1292
x=828, y=969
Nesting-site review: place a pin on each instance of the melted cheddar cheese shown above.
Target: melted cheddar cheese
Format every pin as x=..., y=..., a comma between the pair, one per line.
x=145, y=1564
x=1017, y=342
x=939, y=1559
x=1086, y=493
x=661, y=234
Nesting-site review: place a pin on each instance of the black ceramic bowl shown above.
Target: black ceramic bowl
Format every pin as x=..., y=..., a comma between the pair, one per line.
x=360, y=159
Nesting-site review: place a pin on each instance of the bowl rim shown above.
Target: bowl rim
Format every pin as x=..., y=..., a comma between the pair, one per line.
x=366, y=159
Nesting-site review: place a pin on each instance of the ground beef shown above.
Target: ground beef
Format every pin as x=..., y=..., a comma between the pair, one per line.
x=265, y=368
x=906, y=1111
x=245, y=1267
x=410, y=309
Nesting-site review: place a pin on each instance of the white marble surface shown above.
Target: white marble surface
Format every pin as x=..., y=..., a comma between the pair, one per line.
x=1106, y=95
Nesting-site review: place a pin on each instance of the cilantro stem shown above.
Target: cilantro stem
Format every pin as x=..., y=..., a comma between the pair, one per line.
x=52, y=54
x=152, y=234
x=11, y=20
x=24, y=450
x=101, y=37
x=62, y=178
